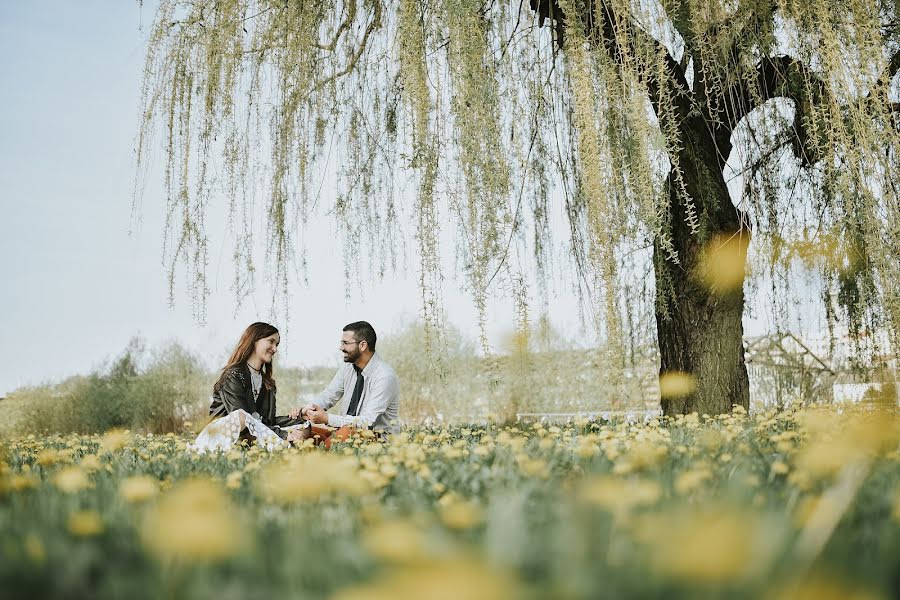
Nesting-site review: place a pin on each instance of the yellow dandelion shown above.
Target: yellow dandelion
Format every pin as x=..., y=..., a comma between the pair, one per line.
x=45, y=458
x=722, y=266
x=460, y=514
x=313, y=475
x=457, y=579
x=71, y=480
x=396, y=541
x=113, y=440
x=779, y=468
x=34, y=549
x=139, y=488
x=20, y=482
x=534, y=467
x=676, y=384
x=90, y=462
x=619, y=496
x=196, y=522
x=690, y=481
x=85, y=523
x=717, y=546
x=234, y=479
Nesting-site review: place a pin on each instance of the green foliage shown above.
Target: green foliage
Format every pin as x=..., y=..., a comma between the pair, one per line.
x=148, y=391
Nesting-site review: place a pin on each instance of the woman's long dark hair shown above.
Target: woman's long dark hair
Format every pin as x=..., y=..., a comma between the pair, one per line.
x=244, y=350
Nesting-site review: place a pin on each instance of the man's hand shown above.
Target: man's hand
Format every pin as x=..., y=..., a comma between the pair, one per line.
x=301, y=412
x=317, y=415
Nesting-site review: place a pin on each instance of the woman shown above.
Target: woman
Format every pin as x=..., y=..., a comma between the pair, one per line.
x=243, y=401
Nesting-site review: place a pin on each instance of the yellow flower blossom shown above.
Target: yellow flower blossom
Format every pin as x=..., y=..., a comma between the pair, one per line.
x=457, y=513
x=71, y=480
x=85, y=523
x=313, y=475
x=676, y=384
x=233, y=481
x=113, y=440
x=716, y=545
x=456, y=579
x=619, y=496
x=34, y=549
x=196, y=522
x=395, y=541
x=139, y=488
x=690, y=481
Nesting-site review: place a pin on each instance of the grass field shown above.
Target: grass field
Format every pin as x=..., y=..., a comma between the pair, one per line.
x=795, y=504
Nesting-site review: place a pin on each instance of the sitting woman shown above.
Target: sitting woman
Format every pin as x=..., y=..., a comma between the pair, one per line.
x=243, y=401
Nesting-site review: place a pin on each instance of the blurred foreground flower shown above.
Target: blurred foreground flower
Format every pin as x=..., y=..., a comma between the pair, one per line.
x=447, y=580
x=139, y=488
x=71, y=480
x=85, y=523
x=113, y=440
x=723, y=264
x=676, y=384
x=34, y=549
x=90, y=462
x=837, y=441
x=458, y=513
x=311, y=476
x=195, y=522
x=397, y=541
x=716, y=546
x=620, y=496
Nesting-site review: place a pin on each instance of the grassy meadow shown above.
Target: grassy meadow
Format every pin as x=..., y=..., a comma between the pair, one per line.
x=787, y=504
x=100, y=498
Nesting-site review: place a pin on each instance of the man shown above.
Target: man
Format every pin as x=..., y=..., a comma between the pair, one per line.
x=366, y=387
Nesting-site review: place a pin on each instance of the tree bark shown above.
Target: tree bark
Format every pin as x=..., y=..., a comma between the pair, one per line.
x=700, y=329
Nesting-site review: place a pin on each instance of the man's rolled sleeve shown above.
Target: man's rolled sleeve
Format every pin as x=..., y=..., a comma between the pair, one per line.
x=334, y=392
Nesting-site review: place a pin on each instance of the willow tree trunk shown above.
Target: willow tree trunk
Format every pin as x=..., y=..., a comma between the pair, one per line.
x=701, y=330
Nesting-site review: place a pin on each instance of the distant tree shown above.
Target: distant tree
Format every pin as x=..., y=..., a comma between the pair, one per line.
x=633, y=115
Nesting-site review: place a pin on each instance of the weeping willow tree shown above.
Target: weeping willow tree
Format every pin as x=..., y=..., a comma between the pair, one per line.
x=629, y=117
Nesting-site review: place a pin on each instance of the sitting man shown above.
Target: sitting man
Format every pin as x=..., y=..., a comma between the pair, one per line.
x=366, y=386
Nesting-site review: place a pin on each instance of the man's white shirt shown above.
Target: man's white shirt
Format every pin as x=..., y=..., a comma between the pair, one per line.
x=380, y=397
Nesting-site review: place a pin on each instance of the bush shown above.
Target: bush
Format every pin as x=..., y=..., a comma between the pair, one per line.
x=154, y=392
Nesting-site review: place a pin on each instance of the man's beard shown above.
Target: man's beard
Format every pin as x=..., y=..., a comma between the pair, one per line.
x=351, y=356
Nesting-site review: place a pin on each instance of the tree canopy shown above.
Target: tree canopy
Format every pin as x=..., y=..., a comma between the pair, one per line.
x=636, y=115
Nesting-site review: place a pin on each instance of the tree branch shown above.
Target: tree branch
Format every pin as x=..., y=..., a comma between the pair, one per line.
x=780, y=77
x=604, y=28
x=344, y=26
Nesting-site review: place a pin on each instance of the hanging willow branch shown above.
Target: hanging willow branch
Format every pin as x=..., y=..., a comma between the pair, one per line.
x=449, y=112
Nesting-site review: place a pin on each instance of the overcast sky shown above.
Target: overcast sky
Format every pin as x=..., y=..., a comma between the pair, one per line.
x=76, y=284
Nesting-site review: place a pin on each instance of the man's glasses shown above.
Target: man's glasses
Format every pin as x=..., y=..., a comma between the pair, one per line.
x=343, y=343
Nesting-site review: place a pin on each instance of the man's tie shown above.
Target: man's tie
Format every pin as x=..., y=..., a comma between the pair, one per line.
x=357, y=393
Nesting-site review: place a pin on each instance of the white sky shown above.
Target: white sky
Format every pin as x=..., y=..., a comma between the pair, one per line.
x=75, y=285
